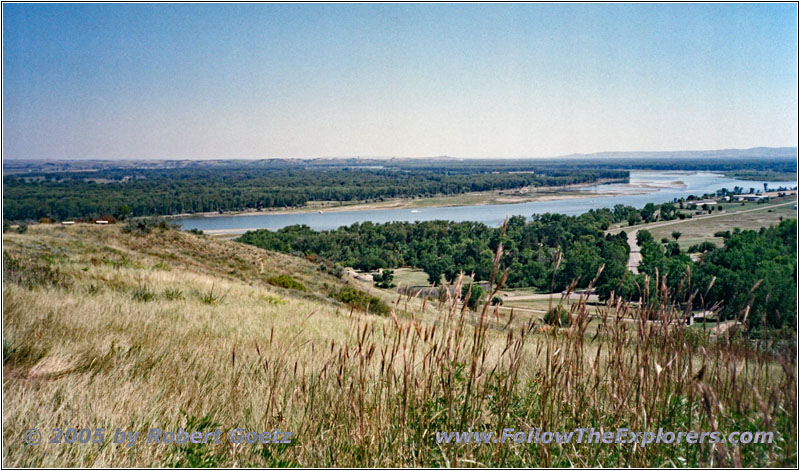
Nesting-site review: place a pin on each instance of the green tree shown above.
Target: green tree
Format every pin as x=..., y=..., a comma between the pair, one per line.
x=476, y=294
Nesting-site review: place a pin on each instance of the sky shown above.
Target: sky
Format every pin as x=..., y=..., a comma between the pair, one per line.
x=202, y=81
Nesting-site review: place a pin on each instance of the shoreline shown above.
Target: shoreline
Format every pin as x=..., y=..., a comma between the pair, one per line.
x=482, y=198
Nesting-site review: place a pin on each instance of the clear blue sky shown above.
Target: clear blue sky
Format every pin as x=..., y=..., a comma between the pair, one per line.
x=260, y=81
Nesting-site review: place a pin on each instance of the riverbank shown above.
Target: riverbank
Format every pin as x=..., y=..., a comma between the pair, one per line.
x=478, y=198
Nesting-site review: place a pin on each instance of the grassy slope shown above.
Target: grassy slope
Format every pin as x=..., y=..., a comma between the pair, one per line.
x=74, y=347
x=83, y=348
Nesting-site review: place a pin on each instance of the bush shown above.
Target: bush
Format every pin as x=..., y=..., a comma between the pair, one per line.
x=332, y=268
x=557, y=316
x=210, y=298
x=474, y=297
x=385, y=279
x=702, y=247
x=141, y=226
x=143, y=294
x=286, y=281
x=497, y=301
x=361, y=300
x=173, y=294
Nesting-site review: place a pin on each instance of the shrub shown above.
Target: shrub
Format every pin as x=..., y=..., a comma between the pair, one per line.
x=173, y=294
x=272, y=299
x=143, y=294
x=361, y=300
x=332, y=268
x=557, y=316
x=211, y=298
x=474, y=297
x=286, y=281
x=141, y=226
x=702, y=247
x=385, y=279
x=161, y=266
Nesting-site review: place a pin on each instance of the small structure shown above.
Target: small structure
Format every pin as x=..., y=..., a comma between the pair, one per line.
x=704, y=316
x=67, y=223
x=753, y=197
x=101, y=221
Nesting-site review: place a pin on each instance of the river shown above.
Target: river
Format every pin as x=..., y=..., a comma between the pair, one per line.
x=643, y=187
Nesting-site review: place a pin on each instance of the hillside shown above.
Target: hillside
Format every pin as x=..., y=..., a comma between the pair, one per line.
x=91, y=313
x=177, y=331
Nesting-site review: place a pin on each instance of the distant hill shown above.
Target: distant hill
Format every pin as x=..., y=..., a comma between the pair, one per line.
x=14, y=166
x=755, y=152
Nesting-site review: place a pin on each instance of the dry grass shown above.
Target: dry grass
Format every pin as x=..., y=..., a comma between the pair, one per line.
x=357, y=390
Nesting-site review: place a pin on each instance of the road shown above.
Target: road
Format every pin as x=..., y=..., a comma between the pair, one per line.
x=635, y=257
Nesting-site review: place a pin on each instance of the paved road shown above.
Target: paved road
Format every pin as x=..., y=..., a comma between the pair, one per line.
x=636, y=256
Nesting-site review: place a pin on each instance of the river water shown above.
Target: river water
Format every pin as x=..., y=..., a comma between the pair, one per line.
x=643, y=188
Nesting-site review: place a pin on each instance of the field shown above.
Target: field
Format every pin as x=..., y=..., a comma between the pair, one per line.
x=694, y=231
x=702, y=227
x=173, y=330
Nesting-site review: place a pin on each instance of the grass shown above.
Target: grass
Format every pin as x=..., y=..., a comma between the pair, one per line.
x=355, y=389
x=729, y=209
x=694, y=231
x=410, y=277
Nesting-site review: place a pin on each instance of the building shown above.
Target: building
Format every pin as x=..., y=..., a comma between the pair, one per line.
x=764, y=196
x=753, y=197
x=704, y=316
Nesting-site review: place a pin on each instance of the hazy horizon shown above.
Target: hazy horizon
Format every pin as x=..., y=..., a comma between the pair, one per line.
x=294, y=81
x=603, y=154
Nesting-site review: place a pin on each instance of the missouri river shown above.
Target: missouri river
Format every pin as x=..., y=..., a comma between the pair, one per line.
x=643, y=188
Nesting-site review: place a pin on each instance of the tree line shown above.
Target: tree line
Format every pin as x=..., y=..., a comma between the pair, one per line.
x=753, y=268
x=147, y=192
x=550, y=251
